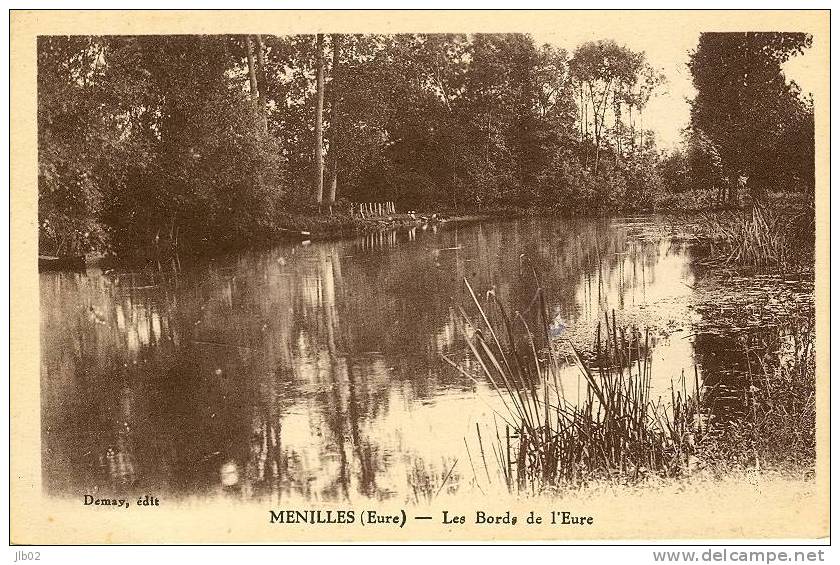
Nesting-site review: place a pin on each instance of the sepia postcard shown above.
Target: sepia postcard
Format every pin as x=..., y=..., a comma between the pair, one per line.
x=286, y=277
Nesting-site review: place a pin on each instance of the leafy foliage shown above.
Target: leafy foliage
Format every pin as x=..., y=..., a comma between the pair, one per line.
x=760, y=124
x=200, y=141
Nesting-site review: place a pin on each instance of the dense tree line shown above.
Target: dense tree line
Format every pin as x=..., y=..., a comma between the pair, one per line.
x=194, y=140
x=752, y=129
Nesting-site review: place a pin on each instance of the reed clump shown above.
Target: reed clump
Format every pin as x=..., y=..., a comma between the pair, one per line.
x=611, y=428
x=759, y=238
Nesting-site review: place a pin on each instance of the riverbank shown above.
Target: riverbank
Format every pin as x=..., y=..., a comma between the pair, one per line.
x=299, y=226
x=777, y=239
x=332, y=226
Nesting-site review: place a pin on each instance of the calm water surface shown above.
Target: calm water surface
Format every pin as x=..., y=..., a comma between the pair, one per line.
x=315, y=370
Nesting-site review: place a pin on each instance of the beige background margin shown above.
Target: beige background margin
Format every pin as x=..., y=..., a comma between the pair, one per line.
x=746, y=508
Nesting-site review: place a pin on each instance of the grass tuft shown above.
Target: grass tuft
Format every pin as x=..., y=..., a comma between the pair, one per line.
x=612, y=430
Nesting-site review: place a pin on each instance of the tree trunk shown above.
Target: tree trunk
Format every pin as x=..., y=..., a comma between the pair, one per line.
x=733, y=196
x=334, y=120
x=319, y=125
x=261, y=82
x=598, y=114
x=252, y=72
x=641, y=131
x=580, y=114
x=597, y=142
x=600, y=129
x=489, y=140
x=616, y=117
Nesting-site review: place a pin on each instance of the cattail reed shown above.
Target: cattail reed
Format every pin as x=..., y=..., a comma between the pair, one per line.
x=614, y=430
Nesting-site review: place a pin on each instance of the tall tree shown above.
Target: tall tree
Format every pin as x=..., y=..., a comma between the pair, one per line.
x=76, y=137
x=335, y=118
x=745, y=105
x=319, y=119
x=257, y=79
x=262, y=82
x=604, y=70
x=252, y=69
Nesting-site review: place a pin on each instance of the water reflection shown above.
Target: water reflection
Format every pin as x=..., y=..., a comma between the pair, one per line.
x=315, y=370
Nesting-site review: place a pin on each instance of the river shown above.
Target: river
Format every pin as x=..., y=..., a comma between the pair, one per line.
x=315, y=370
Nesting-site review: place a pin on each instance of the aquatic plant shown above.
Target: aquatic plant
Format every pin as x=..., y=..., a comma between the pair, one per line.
x=613, y=429
x=759, y=237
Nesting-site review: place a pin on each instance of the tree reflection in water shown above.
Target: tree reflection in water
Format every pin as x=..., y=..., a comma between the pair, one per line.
x=315, y=371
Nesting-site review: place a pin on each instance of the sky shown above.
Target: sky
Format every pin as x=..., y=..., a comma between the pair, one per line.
x=668, y=112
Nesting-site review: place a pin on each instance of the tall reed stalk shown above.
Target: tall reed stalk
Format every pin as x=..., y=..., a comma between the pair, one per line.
x=752, y=238
x=614, y=430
